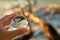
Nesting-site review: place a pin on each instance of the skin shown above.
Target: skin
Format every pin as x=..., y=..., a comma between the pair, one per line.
x=8, y=35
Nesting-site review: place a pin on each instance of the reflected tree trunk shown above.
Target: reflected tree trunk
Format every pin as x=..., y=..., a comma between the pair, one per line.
x=35, y=2
x=30, y=10
x=50, y=32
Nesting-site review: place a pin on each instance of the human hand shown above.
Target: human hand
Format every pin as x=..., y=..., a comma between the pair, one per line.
x=8, y=35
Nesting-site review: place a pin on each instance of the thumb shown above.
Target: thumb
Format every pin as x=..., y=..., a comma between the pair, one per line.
x=6, y=27
x=15, y=33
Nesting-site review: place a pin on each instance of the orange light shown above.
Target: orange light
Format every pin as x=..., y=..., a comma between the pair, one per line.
x=26, y=13
x=17, y=9
x=34, y=18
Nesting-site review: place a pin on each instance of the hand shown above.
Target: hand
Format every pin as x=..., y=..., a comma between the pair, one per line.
x=8, y=35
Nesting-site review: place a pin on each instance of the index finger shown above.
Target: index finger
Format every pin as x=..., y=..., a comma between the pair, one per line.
x=11, y=16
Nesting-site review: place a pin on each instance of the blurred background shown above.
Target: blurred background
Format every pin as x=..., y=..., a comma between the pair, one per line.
x=34, y=10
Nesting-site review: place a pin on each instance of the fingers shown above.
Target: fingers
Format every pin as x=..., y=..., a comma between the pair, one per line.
x=6, y=19
x=12, y=15
x=15, y=33
x=6, y=27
